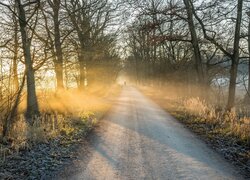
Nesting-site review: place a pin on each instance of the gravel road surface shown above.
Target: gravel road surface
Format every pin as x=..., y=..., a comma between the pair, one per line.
x=139, y=140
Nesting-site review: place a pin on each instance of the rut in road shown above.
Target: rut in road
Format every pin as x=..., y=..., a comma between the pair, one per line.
x=138, y=140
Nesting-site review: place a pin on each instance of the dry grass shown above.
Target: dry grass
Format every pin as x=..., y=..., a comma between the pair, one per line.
x=228, y=122
x=62, y=114
x=196, y=106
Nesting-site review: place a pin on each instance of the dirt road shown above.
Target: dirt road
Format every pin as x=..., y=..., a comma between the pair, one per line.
x=138, y=140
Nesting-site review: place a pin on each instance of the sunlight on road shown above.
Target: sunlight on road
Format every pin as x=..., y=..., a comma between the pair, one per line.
x=138, y=140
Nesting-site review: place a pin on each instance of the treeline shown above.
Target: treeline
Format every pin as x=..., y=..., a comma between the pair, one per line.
x=53, y=44
x=198, y=43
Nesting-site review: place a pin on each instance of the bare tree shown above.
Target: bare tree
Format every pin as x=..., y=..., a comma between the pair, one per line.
x=195, y=43
x=32, y=104
x=58, y=60
x=234, y=56
x=89, y=20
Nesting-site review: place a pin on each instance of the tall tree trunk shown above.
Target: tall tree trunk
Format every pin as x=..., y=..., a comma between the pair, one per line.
x=15, y=57
x=195, y=44
x=59, y=75
x=82, y=64
x=247, y=97
x=58, y=45
x=235, y=58
x=1, y=78
x=32, y=104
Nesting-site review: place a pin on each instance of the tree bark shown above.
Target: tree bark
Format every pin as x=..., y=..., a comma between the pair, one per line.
x=247, y=97
x=82, y=64
x=235, y=59
x=32, y=104
x=15, y=57
x=195, y=43
x=58, y=45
